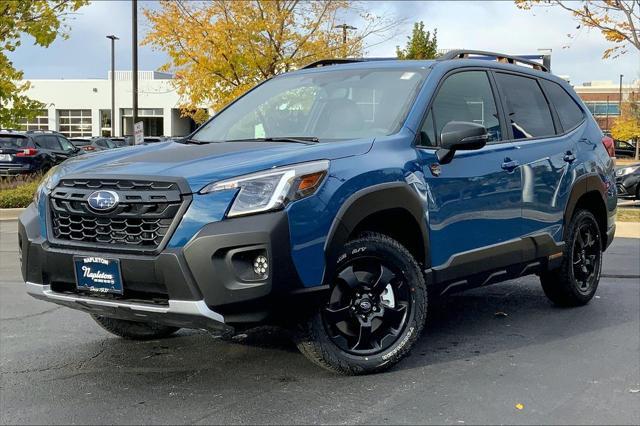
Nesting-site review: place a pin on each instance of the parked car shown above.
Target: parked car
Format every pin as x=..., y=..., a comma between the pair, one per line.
x=624, y=149
x=32, y=152
x=98, y=143
x=341, y=201
x=628, y=181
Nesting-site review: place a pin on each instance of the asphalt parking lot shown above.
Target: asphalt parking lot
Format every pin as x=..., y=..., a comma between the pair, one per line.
x=471, y=366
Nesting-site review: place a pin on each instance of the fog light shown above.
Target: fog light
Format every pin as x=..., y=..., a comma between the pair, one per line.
x=260, y=265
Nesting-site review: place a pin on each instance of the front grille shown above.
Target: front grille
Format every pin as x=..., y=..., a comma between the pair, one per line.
x=142, y=218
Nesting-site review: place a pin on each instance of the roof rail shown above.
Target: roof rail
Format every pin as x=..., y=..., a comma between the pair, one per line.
x=337, y=61
x=53, y=132
x=499, y=57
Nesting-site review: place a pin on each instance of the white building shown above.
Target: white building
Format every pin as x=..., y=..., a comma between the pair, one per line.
x=82, y=108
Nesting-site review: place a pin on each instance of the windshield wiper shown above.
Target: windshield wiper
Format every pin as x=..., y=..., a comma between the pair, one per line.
x=195, y=142
x=308, y=140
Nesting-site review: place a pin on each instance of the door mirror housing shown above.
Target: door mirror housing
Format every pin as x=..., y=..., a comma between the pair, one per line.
x=460, y=136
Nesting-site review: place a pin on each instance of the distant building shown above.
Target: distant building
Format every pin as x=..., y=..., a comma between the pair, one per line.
x=603, y=99
x=82, y=108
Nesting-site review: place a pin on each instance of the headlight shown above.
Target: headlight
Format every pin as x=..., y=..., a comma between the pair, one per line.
x=627, y=170
x=47, y=184
x=272, y=189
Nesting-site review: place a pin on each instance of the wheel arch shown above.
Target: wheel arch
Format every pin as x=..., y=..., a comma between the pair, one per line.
x=588, y=193
x=373, y=209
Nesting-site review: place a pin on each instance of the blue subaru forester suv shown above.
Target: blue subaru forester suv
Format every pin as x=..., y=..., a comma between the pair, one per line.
x=340, y=201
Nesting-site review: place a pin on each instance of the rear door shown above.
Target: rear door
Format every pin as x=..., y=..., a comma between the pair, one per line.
x=49, y=144
x=475, y=199
x=545, y=135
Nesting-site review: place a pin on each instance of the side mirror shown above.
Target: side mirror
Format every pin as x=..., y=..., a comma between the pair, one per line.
x=460, y=136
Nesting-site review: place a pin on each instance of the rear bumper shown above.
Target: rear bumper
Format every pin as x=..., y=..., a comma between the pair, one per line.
x=16, y=169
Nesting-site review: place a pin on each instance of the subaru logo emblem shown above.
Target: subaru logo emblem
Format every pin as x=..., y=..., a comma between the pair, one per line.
x=103, y=200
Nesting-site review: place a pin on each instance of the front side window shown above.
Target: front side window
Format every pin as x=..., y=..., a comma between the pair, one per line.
x=328, y=105
x=464, y=96
x=569, y=112
x=66, y=145
x=526, y=107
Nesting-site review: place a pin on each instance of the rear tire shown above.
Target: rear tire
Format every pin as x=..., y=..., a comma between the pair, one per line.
x=576, y=281
x=134, y=330
x=375, y=313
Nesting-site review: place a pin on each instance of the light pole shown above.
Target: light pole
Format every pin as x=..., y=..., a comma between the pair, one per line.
x=113, y=84
x=134, y=47
x=620, y=95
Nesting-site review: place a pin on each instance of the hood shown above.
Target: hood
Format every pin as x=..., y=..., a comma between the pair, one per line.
x=203, y=164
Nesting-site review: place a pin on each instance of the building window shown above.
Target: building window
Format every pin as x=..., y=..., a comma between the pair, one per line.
x=600, y=108
x=152, y=119
x=40, y=122
x=74, y=123
x=105, y=122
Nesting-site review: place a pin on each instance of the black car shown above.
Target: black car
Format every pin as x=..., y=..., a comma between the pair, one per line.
x=624, y=149
x=33, y=151
x=628, y=181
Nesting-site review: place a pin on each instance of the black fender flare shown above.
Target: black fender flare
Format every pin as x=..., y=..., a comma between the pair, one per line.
x=584, y=184
x=364, y=203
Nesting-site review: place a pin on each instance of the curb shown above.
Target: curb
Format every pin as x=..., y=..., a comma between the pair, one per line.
x=10, y=214
x=628, y=229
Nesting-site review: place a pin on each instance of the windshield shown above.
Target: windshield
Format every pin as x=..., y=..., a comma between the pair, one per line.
x=328, y=105
x=11, y=141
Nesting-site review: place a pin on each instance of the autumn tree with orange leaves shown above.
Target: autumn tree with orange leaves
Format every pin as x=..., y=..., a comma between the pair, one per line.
x=617, y=20
x=220, y=49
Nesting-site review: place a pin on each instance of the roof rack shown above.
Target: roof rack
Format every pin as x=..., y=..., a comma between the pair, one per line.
x=337, y=61
x=499, y=57
x=53, y=132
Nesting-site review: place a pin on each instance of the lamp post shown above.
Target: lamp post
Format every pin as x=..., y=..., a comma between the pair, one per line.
x=134, y=48
x=113, y=84
x=620, y=95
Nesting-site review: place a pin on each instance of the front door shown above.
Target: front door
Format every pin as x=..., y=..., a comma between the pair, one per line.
x=474, y=201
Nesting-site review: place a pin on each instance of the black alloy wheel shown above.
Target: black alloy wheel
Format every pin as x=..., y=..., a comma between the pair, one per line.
x=368, y=307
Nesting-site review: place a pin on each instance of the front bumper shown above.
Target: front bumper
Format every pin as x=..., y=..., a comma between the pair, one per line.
x=178, y=313
x=627, y=186
x=200, y=285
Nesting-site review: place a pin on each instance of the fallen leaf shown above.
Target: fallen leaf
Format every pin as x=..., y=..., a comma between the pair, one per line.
x=500, y=315
x=634, y=390
x=519, y=406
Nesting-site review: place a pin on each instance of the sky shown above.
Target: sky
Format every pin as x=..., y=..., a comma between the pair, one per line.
x=496, y=26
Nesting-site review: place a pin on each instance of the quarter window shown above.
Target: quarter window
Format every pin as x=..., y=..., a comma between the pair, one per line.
x=526, y=107
x=569, y=112
x=464, y=96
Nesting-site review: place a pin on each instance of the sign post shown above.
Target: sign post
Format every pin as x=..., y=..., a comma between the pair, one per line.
x=138, y=133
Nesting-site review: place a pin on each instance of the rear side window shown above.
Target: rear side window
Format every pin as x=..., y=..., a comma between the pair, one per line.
x=48, y=142
x=527, y=110
x=11, y=141
x=569, y=112
x=464, y=96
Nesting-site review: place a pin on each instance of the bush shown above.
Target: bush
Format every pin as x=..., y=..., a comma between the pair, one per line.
x=18, y=192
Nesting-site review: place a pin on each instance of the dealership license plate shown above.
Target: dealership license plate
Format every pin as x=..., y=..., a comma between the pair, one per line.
x=5, y=157
x=98, y=274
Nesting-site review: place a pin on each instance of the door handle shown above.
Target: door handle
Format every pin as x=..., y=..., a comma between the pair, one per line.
x=569, y=157
x=509, y=164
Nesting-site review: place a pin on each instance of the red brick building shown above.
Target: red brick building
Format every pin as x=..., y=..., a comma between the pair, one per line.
x=603, y=99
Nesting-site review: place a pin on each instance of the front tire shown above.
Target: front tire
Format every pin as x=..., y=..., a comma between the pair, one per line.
x=576, y=281
x=375, y=313
x=134, y=330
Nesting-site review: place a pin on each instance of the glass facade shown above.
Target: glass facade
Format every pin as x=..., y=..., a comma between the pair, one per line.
x=600, y=108
x=74, y=123
x=40, y=122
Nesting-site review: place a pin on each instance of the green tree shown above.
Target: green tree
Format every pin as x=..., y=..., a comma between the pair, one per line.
x=44, y=21
x=420, y=45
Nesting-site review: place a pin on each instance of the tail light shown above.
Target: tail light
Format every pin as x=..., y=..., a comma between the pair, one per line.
x=89, y=148
x=27, y=152
x=609, y=146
